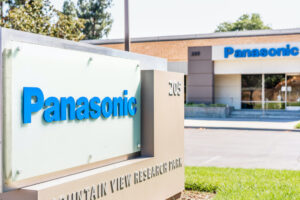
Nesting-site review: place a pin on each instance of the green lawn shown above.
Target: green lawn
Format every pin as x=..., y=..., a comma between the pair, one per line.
x=230, y=183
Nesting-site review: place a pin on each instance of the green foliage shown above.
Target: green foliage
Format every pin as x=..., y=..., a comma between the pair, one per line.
x=244, y=184
x=69, y=8
x=16, y=3
x=293, y=103
x=245, y=22
x=68, y=27
x=217, y=105
x=196, y=104
x=39, y=16
x=297, y=126
x=90, y=19
x=98, y=19
x=33, y=17
x=276, y=106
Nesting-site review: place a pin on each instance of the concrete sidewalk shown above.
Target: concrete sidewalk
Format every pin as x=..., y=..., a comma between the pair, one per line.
x=232, y=123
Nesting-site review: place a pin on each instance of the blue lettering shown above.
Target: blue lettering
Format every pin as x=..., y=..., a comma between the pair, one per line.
x=238, y=53
x=288, y=50
x=255, y=53
x=131, y=106
x=281, y=52
x=295, y=51
x=95, y=108
x=246, y=53
x=118, y=106
x=228, y=51
x=52, y=113
x=272, y=52
x=263, y=52
x=82, y=112
x=28, y=107
x=64, y=104
x=125, y=103
x=106, y=107
x=56, y=109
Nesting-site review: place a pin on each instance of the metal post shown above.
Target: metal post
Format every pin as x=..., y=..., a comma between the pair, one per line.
x=127, y=38
x=285, y=91
x=263, y=100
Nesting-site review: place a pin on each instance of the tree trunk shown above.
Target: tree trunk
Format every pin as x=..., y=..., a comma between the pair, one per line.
x=1, y=11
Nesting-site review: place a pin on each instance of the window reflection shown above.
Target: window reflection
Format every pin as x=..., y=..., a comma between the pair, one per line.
x=293, y=90
x=274, y=87
x=251, y=87
x=252, y=91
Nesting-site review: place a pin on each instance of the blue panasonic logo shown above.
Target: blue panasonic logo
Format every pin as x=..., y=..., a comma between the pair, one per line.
x=56, y=109
x=263, y=52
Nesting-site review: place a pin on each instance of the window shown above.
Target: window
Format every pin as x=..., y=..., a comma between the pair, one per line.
x=252, y=91
x=263, y=91
x=274, y=91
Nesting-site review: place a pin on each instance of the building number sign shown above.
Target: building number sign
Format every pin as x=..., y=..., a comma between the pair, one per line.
x=175, y=88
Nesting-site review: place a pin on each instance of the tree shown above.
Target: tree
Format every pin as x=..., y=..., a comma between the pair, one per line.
x=39, y=16
x=245, y=22
x=34, y=16
x=68, y=27
x=98, y=19
x=16, y=3
x=69, y=8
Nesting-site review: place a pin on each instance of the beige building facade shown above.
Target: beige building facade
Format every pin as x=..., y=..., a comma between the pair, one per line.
x=246, y=81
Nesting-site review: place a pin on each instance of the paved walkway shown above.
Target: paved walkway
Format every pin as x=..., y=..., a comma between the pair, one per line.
x=242, y=148
x=231, y=123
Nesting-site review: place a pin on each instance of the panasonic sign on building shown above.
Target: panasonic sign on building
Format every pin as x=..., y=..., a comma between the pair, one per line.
x=266, y=76
x=246, y=76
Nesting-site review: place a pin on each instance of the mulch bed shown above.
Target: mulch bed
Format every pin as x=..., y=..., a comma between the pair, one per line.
x=194, y=195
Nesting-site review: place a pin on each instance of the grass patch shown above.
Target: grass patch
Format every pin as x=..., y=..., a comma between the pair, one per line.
x=298, y=125
x=244, y=184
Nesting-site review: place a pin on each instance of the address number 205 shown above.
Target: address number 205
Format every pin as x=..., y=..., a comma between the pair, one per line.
x=175, y=88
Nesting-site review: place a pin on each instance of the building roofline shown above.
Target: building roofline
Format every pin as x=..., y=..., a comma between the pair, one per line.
x=200, y=36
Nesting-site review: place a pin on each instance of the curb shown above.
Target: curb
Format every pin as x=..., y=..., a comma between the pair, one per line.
x=241, y=128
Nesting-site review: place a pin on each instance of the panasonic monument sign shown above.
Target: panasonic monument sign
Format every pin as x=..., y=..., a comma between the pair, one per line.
x=78, y=122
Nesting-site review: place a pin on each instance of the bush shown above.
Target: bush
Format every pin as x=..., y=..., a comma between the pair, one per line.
x=205, y=105
x=217, y=105
x=298, y=125
x=196, y=104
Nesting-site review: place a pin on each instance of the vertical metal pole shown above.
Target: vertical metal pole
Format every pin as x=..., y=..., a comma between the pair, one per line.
x=127, y=38
x=263, y=94
x=285, y=92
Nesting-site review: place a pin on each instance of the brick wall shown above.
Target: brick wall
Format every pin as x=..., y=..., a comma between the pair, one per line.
x=177, y=50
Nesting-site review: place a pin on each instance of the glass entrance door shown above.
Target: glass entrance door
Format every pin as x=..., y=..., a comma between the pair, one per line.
x=252, y=91
x=293, y=92
x=274, y=94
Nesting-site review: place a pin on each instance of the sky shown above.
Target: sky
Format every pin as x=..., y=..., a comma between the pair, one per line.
x=179, y=17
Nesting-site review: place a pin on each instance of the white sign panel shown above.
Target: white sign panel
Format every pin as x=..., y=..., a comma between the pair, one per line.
x=66, y=108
